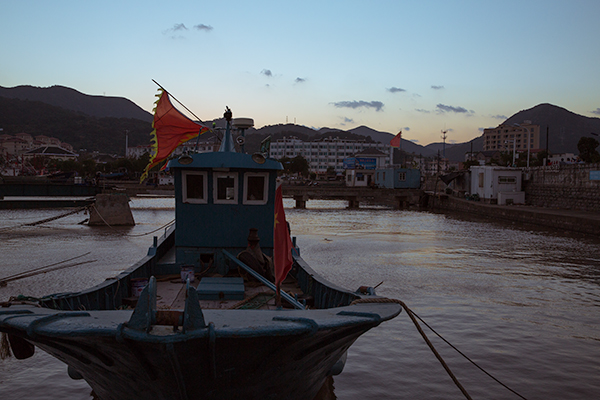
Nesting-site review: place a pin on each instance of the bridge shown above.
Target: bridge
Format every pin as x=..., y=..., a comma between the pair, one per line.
x=42, y=188
x=397, y=198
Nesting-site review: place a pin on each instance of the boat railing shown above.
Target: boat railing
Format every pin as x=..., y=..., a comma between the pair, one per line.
x=109, y=295
x=324, y=293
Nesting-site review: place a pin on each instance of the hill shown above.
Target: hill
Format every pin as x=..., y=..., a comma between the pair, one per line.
x=71, y=99
x=99, y=123
x=106, y=135
x=565, y=128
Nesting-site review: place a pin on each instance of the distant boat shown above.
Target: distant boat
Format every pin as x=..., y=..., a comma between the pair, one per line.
x=219, y=334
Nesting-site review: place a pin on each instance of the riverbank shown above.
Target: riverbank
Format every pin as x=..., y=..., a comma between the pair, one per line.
x=570, y=220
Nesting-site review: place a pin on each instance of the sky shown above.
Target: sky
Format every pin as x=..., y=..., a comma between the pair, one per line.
x=420, y=67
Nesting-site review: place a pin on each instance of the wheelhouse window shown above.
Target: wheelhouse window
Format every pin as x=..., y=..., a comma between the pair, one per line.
x=225, y=188
x=195, y=187
x=256, y=185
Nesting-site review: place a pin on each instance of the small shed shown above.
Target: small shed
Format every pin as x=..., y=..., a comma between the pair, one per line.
x=398, y=178
x=359, y=177
x=501, y=185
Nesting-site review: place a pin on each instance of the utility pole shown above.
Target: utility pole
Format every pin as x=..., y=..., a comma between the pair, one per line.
x=547, y=153
x=444, y=136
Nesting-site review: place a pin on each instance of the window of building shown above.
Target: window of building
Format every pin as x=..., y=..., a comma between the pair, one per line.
x=195, y=187
x=225, y=187
x=507, y=179
x=256, y=185
x=401, y=176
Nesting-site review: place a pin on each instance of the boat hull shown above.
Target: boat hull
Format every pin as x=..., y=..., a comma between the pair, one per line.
x=284, y=354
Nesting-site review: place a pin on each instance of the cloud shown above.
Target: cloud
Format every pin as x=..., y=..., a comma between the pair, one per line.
x=406, y=128
x=202, y=27
x=498, y=116
x=267, y=72
x=175, y=28
x=442, y=108
x=435, y=87
x=597, y=111
x=422, y=110
x=347, y=120
x=377, y=105
x=179, y=27
x=394, y=89
x=299, y=80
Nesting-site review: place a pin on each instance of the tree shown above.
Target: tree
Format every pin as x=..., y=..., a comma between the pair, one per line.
x=470, y=163
x=299, y=165
x=540, y=158
x=286, y=162
x=587, y=150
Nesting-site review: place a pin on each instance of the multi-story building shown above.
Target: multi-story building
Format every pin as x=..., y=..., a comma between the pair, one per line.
x=325, y=153
x=517, y=137
x=202, y=146
x=24, y=142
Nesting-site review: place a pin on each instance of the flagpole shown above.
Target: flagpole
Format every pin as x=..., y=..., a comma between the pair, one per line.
x=175, y=98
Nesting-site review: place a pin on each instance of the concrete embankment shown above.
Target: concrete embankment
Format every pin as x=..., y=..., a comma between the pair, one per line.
x=571, y=220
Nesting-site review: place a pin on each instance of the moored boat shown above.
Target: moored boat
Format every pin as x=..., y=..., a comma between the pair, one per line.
x=229, y=309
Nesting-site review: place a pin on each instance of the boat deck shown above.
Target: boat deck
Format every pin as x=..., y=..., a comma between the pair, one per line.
x=171, y=291
x=171, y=295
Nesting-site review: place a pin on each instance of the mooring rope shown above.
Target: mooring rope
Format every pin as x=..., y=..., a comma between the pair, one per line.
x=56, y=217
x=157, y=229
x=412, y=316
x=27, y=274
x=18, y=276
x=136, y=235
x=80, y=209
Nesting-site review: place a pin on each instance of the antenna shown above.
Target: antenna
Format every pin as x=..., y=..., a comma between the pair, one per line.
x=444, y=136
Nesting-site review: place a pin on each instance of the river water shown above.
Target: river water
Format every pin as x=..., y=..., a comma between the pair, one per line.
x=520, y=301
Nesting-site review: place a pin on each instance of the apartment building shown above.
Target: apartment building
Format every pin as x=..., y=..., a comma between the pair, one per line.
x=325, y=153
x=516, y=137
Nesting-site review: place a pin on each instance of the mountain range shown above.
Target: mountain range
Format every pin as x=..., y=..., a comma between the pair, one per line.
x=99, y=123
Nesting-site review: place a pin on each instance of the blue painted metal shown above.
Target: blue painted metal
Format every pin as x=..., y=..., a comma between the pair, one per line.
x=231, y=288
x=203, y=229
x=225, y=160
x=398, y=178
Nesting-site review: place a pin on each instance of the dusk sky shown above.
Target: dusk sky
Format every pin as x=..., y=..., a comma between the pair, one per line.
x=416, y=66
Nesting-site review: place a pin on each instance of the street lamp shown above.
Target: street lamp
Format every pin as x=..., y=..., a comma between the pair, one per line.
x=514, y=148
x=528, y=142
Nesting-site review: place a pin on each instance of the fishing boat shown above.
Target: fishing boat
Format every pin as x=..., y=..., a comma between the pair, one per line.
x=222, y=307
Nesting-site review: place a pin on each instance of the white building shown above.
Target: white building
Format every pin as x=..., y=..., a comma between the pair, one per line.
x=501, y=185
x=325, y=153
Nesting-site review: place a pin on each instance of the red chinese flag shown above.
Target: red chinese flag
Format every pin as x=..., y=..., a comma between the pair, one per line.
x=171, y=128
x=282, y=243
x=395, y=142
